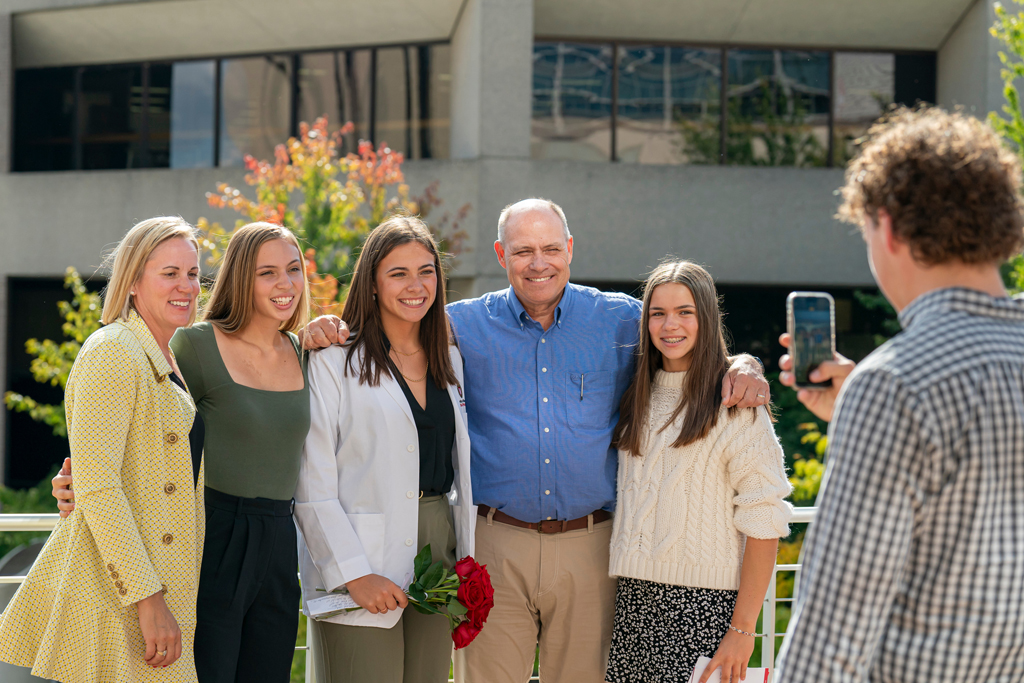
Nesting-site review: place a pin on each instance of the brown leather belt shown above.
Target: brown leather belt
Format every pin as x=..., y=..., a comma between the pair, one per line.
x=553, y=526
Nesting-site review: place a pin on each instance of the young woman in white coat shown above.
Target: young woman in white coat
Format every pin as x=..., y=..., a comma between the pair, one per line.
x=385, y=469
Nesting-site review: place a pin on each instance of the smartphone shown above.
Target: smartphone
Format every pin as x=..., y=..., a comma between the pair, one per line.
x=811, y=321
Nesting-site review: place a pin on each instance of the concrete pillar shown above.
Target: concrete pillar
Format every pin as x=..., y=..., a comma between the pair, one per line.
x=492, y=79
x=968, y=63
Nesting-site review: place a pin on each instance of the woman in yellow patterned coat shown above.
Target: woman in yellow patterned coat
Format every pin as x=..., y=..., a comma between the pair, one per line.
x=112, y=597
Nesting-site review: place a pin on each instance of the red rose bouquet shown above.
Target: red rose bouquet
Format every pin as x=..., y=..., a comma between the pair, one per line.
x=464, y=595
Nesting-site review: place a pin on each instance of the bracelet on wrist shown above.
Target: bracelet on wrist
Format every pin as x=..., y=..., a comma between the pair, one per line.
x=741, y=632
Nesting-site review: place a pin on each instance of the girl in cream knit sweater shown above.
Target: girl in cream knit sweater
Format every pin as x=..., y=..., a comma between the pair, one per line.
x=701, y=492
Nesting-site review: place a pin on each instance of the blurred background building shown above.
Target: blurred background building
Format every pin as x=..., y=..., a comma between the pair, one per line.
x=715, y=130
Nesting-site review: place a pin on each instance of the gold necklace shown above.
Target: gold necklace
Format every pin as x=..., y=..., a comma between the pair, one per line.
x=407, y=377
x=403, y=353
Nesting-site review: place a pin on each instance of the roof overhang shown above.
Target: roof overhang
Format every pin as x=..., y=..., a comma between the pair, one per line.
x=99, y=31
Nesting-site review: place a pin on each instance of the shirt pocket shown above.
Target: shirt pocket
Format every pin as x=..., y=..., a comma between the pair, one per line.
x=589, y=399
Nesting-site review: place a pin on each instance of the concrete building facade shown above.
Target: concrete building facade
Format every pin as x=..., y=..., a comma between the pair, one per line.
x=507, y=122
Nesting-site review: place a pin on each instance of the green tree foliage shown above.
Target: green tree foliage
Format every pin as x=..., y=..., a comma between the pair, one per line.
x=1009, y=30
x=52, y=362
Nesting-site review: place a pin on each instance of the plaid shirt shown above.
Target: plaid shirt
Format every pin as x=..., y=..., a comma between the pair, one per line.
x=914, y=566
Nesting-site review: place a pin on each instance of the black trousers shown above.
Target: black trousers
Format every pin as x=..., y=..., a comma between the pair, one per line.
x=248, y=607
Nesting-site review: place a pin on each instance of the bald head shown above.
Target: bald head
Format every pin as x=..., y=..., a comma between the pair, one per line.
x=511, y=213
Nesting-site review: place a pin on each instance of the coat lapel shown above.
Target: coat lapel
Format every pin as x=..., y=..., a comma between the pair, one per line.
x=392, y=386
x=135, y=323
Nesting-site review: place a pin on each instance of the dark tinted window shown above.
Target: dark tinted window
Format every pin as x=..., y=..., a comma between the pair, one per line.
x=44, y=110
x=110, y=116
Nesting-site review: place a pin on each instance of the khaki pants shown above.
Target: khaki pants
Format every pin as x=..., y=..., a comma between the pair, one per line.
x=551, y=590
x=418, y=649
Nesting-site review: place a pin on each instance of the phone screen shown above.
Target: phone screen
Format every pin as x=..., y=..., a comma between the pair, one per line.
x=811, y=327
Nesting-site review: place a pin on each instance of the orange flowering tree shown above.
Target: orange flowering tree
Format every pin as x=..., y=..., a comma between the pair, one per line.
x=341, y=199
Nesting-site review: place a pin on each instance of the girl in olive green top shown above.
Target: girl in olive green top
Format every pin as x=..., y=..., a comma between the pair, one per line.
x=245, y=370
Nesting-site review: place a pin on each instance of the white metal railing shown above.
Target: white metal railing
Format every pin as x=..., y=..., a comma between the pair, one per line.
x=768, y=635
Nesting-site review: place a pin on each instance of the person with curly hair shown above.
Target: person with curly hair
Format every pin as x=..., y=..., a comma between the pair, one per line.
x=913, y=569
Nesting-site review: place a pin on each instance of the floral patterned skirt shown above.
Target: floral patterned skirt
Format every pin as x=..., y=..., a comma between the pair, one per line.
x=661, y=630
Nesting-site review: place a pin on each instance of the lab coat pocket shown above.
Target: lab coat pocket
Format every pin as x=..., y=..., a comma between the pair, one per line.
x=369, y=528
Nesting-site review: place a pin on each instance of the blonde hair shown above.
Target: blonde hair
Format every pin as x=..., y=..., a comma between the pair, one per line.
x=230, y=307
x=128, y=261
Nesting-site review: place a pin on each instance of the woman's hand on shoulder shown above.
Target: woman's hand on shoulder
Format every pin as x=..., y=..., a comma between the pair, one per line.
x=159, y=630
x=377, y=594
x=323, y=332
x=62, y=489
x=732, y=657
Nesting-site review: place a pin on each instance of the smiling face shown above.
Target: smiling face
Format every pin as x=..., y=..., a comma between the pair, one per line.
x=406, y=283
x=165, y=294
x=278, y=280
x=672, y=324
x=536, y=255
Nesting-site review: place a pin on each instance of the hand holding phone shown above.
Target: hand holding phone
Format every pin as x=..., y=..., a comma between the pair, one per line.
x=811, y=322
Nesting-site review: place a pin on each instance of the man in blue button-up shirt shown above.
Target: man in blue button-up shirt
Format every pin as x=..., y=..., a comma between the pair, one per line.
x=546, y=362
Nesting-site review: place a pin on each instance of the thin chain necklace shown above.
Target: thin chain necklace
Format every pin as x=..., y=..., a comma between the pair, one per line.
x=407, y=377
x=403, y=353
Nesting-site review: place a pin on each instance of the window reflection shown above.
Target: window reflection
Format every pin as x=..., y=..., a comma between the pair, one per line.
x=668, y=105
x=336, y=84
x=192, y=112
x=44, y=109
x=255, y=107
x=110, y=117
x=572, y=100
x=865, y=86
x=778, y=103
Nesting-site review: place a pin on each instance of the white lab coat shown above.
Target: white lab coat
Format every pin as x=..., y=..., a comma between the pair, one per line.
x=357, y=500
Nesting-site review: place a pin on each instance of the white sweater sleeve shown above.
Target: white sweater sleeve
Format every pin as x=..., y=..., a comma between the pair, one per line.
x=757, y=473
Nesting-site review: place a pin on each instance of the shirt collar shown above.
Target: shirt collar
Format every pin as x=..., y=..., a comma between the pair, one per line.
x=520, y=314
x=961, y=300
x=138, y=327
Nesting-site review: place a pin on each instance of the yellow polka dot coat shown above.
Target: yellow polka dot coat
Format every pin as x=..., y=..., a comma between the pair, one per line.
x=137, y=527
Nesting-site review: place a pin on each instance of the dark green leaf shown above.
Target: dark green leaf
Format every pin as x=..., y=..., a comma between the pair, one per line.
x=422, y=562
x=433, y=576
x=417, y=594
x=457, y=608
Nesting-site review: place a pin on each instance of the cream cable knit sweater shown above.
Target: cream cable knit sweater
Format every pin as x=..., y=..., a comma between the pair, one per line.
x=683, y=513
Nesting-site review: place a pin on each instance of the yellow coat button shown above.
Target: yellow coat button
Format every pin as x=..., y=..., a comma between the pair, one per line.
x=170, y=488
x=171, y=438
x=115, y=575
x=163, y=588
x=110, y=567
x=119, y=584
x=168, y=539
x=122, y=592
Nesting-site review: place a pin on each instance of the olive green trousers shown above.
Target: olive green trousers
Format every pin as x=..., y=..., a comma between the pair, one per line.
x=418, y=649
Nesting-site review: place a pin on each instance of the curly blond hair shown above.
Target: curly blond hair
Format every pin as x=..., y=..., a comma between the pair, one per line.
x=950, y=185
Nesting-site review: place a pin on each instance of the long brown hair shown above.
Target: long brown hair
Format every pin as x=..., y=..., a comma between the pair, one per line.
x=363, y=314
x=231, y=304
x=702, y=387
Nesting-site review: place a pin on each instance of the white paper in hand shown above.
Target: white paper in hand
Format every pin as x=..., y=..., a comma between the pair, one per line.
x=330, y=604
x=754, y=675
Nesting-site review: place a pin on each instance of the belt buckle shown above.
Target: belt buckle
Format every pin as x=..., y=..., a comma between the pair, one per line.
x=551, y=526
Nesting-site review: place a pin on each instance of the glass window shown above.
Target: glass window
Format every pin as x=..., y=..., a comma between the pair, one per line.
x=158, y=117
x=255, y=102
x=572, y=101
x=778, y=106
x=44, y=111
x=669, y=105
x=191, y=120
x=337, y=84
x=865, y=86
x=110, y=117
x=394, y=103
x=435, y=100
